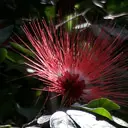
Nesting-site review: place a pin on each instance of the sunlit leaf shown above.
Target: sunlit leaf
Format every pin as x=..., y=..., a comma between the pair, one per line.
x=104, y=103
x=100, y=106
x=99, y=110
x=103, y=112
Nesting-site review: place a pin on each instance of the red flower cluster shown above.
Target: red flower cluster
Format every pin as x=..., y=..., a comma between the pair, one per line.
x=78, y=65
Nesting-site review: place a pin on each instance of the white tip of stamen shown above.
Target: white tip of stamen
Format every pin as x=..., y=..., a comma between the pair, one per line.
x=29, y=70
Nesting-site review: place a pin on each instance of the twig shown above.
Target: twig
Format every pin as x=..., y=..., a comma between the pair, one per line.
x=75, y=16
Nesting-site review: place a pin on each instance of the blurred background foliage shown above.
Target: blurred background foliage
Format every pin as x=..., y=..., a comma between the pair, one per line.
x=19, y=103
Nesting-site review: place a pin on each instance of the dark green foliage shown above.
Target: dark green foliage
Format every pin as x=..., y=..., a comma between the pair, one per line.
x=19, y=103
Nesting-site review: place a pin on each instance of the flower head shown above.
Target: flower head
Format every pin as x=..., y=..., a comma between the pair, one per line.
x=78, y=65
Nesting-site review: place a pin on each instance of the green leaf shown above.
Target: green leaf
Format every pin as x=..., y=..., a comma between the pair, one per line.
x=103, y=112
x=49, y=12
x=5, y=126
x=70, y=24
x=3, y=54
x=21, y=49
x=29, y=113
x=100, y=111
x=82, y=5
x=38, y=93
x=6, y=107
x=104, y=103
x=14, y=57
x=5, y=33
x=117, y=6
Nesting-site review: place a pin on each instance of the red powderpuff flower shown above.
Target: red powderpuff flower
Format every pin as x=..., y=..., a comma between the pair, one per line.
x=78, y=65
